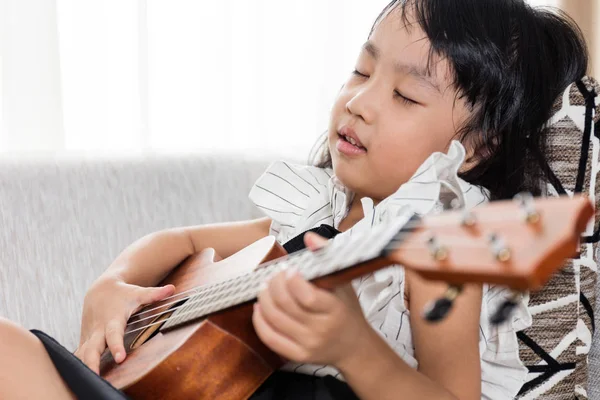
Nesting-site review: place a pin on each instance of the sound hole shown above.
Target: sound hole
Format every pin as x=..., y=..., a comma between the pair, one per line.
x=154, y=325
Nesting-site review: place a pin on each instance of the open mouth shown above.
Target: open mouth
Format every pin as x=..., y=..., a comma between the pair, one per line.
x=351, y=141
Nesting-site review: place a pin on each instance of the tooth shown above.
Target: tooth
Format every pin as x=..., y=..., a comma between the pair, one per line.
x=353, y=141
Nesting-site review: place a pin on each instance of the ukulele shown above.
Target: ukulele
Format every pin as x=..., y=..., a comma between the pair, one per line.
x=200, y=342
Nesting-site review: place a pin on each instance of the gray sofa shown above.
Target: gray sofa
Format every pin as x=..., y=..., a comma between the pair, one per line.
x=64, y=220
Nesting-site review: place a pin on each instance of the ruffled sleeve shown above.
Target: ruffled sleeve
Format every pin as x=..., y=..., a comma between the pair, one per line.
x=285, y=193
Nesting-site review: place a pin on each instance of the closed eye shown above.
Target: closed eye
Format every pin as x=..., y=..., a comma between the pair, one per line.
x=404, y=99
x=358, y=73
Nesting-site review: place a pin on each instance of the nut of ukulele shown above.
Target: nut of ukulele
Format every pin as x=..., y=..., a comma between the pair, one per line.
x=438, y=309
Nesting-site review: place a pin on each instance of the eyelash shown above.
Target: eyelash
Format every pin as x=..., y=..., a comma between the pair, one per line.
x=358, y=73
x=405, y=100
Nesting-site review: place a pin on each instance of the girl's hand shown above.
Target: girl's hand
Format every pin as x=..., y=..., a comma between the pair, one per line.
x=107, y=306
x=306, y=324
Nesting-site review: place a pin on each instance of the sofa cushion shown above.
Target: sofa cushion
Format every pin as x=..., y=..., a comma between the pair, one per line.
x=555, y=348
x=64, y=220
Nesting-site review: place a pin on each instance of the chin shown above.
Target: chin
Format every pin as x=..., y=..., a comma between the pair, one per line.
x=347, y=174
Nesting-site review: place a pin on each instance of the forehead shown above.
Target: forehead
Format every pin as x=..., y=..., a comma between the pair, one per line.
x=399, y=38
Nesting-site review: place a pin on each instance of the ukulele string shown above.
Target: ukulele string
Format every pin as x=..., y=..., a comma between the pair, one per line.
x=264, y=273
x=215, y=304
x=212, y=296
x=209, y=305
x=168, y=319
x=197, y=290
x=408, y=226
x=201, y=289
x=195, y=300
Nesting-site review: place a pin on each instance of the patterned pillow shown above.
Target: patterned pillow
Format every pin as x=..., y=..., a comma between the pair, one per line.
x=556, y=346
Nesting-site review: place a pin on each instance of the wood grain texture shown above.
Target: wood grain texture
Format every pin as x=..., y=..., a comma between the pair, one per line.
x=217, y=357
x=210, y=364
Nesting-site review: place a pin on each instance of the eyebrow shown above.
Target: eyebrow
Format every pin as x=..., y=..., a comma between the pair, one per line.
x=413, y=70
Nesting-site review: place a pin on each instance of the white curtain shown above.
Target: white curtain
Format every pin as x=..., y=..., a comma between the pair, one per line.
x=30, y=84
x=551, y=3
x=178, y=75
x=587, y=15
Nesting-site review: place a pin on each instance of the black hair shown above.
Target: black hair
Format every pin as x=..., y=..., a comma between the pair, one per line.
x=510, y=62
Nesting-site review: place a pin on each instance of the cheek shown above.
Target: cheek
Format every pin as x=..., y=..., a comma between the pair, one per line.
x=403, y=147
x=393, y=160
x=417, y=132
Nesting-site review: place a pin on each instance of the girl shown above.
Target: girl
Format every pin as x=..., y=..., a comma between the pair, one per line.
x=441, y=89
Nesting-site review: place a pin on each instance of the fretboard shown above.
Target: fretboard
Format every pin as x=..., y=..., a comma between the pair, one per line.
x=342, y=252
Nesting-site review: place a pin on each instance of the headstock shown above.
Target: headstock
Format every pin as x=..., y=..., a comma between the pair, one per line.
x=519, y=243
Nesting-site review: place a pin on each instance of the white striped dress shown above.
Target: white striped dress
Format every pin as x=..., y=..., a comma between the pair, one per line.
x=298, y=198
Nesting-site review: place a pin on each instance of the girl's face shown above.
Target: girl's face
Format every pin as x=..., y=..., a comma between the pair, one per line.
x=398, y=112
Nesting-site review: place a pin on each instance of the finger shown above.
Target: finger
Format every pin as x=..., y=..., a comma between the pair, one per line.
x=281, y=297
x=93, y=350
x=347, y=295
x=314, y=241
x=154, y=294
x=277, y=342
x=279, y=319
x=309, y=296
x=80, y=351
x=115, y=330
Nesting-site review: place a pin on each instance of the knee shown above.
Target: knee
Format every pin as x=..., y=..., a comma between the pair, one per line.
x=9, y=328
x=14, y=337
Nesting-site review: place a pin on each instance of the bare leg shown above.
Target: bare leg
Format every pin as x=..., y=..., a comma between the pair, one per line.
x=26, y=371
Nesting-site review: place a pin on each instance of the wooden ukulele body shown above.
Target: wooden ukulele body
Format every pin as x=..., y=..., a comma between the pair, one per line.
x=217, y=357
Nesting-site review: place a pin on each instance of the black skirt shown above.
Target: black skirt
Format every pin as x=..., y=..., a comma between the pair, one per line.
x=86, y=384
x=83, y=382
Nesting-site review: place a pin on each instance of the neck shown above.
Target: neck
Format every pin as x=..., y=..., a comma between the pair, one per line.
x=355, y=213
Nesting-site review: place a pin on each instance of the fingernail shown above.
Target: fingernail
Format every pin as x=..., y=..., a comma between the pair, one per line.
x=118, y=356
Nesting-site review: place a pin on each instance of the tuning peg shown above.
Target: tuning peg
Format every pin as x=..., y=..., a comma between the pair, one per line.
x=468, y=219
x=505, y=310
x=438, y=309
x=437, y=251
x=501, y=252
x=525, y=200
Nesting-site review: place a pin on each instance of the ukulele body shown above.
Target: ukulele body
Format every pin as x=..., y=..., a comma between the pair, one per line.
x=216, y=357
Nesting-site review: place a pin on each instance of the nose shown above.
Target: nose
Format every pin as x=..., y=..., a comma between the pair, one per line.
x=364, y=103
